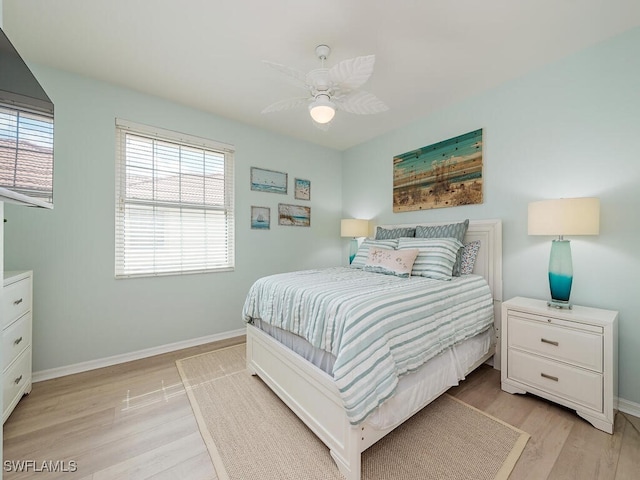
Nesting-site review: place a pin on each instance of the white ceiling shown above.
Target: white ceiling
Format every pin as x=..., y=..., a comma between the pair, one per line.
x=208, y=53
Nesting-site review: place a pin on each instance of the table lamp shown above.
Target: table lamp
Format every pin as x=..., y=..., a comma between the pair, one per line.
x=564, y=216
x=354, y=228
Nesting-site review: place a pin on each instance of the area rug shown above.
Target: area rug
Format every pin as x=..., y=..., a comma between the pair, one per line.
x=251, y=434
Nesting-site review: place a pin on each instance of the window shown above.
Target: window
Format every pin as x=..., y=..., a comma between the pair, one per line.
x=26, y=152
x=174, y=203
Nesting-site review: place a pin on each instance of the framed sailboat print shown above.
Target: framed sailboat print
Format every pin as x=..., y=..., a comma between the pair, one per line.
x=260, y=218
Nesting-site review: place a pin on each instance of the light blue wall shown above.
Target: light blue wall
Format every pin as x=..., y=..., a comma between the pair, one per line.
x=566, y=130
x=81, y=312
x=570, y=129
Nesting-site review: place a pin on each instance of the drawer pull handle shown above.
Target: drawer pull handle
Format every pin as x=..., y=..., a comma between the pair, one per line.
x=18, y=380
x=17, y=302
x=17, y=341
x=550, y=377
x=550, y=342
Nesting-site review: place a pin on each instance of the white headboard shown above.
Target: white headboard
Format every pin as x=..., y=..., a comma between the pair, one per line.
x=489, y=259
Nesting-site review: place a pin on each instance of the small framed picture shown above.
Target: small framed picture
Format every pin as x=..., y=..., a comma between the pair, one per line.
x=294, y=215
x=268, y=181
x=260, y=218
x=302, y=189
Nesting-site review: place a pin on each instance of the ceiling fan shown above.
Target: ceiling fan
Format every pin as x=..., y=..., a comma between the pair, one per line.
x=331, y=89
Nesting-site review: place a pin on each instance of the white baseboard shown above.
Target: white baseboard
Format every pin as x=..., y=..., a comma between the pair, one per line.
x=127, y=357
x=627, y=406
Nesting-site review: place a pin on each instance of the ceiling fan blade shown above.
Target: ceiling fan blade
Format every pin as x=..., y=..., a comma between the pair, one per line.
x=360, y=103
x=352, y=73
x=295, y=77
x=286, y=104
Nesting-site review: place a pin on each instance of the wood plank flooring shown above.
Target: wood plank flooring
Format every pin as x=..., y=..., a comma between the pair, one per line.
x=133, y=421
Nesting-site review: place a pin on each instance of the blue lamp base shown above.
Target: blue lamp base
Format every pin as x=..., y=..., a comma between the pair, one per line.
x=560, y=274
x=353, y=249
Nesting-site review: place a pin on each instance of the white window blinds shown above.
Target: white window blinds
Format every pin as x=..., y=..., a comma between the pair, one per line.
x=26, y=152
x=174, y=203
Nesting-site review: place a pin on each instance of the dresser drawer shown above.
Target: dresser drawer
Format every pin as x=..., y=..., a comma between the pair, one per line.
x=16, y=378
x=15, y=338
x=578, y=347
x=16, y=300
x=579, y=386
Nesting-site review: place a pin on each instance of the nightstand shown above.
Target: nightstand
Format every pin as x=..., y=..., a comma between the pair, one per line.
x=567, y=356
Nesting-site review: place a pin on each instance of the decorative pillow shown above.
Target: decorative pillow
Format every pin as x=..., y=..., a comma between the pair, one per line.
x=391, y=262
x=386, y=233
x=451, y=230
x=363, y=251
x=436, y=256
x=469, y=254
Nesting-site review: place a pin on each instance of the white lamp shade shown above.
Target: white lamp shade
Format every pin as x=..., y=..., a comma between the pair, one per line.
x=354, y=227
x=565, y=216
x=322, y=109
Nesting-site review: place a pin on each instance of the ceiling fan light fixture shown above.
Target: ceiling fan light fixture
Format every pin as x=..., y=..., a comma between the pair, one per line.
x=322, y=110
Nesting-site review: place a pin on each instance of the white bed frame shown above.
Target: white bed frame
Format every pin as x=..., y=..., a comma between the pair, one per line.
x=312, y=394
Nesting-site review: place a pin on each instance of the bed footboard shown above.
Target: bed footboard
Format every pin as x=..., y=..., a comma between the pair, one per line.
x=311, y=394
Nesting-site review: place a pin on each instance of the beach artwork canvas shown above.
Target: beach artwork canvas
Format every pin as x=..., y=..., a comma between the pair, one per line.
x=294, y=215
x=445, y=174
x=268, y=181
x=302, y=189
x=260, y=218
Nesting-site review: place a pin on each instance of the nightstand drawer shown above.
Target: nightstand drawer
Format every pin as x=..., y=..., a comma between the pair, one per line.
x=15, y=338
x=16, y=300
x=577, y=347
x=579, y=386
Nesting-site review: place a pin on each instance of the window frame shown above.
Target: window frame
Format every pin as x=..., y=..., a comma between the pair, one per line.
x=123, y=128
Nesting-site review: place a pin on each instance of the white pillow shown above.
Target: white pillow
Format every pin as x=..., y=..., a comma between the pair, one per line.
x=436, y=256
x=391, y=262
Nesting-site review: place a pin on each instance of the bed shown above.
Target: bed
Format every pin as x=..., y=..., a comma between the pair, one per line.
x=289, y=361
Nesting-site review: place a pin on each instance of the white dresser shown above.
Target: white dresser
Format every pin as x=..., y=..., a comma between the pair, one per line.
x=16, y=339
x=566, y=356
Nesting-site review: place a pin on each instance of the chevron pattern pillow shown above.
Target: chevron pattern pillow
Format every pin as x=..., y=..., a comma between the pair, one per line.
x=451, y=230
x=387, y=233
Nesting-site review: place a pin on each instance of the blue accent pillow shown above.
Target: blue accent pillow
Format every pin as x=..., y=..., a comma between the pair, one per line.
x=388, y=233
x=451, y=230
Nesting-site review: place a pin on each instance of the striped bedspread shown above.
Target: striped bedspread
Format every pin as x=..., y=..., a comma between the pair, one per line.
x=378, y=327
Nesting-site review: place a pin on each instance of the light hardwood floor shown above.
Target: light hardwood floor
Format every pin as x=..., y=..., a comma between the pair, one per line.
x=134, y=421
